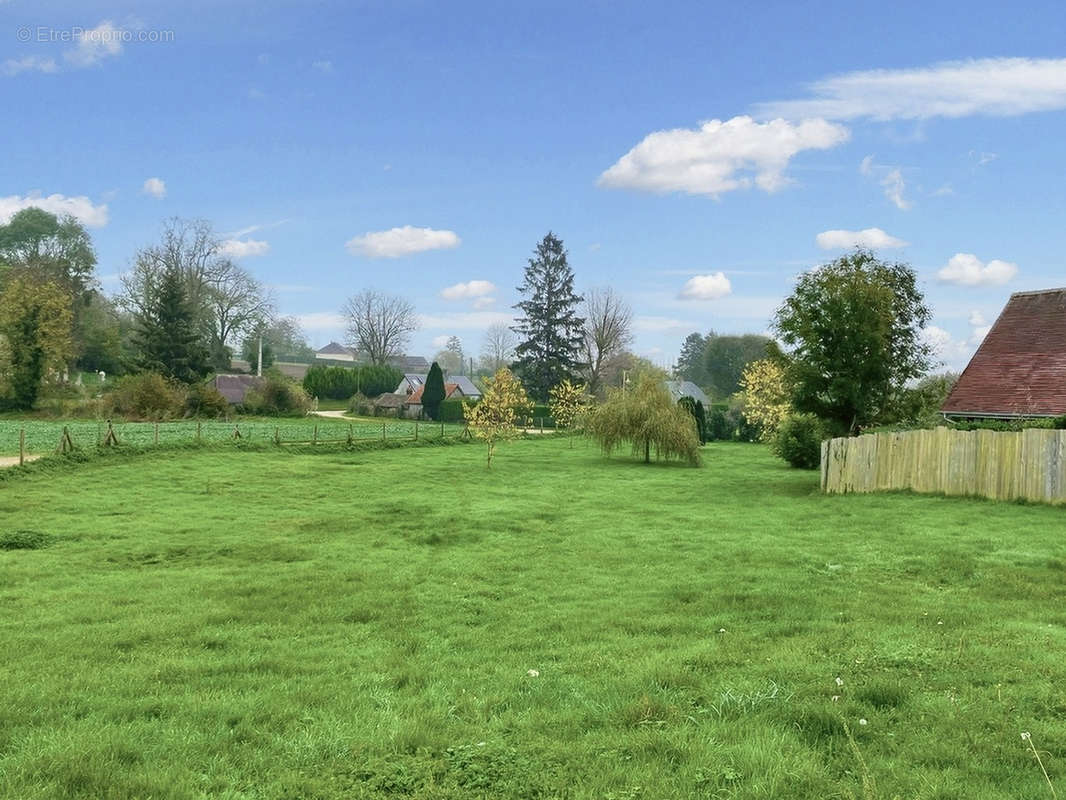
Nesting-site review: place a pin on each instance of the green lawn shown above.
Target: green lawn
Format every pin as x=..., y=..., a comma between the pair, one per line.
x=42, y=435
x=404, y=623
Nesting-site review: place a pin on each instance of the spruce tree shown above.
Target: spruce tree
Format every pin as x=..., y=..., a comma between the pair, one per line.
x=168, y=339
x=550, y=329
x=433, y=391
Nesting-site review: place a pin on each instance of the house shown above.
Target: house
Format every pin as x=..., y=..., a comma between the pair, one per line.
x=335, y=352
x=1020, y=368
x=235, y=387
x=466, y=386
x=413, y=364
x=410, y=382
x=679, y=389
x=413, y=402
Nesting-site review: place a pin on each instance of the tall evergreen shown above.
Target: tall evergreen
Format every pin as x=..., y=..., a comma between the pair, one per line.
x=168, y=339
x=433, y=391
x=551, y=330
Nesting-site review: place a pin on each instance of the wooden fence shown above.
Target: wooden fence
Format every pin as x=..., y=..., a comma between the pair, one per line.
x=1028, y=464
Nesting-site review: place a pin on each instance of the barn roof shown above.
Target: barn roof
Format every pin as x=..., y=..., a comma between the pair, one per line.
x=415, y=398
x=681, y=389
x=235, y=387
x=334, y=349
x=466, y=386
x=1020, y=368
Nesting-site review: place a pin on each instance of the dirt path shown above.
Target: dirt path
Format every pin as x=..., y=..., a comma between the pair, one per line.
x=330, y=414
x=12, y=461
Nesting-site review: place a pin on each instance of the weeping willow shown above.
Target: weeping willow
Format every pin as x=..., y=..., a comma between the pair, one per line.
x=646, y=418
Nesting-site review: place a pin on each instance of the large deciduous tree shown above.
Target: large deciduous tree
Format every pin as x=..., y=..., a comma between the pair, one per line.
x=853, y=333
x=725, y=357
x=238, y=305
x=607, y=332
x=49, y=249
x=379, y=325
x=35, y=324
x=550, y=329
x=497, y=350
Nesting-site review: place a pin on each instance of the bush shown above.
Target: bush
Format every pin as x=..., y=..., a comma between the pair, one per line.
x=204, y=400
x=799, y=440
x=147, y=395
x=340, y=383
x=359, y=404
x=741, y=427
x=451, y=411
x=541, y=415
x=1004, y=424
x=718, y=427
x=277, y=397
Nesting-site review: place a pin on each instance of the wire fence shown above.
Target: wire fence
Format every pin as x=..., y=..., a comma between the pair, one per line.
x=35, y=438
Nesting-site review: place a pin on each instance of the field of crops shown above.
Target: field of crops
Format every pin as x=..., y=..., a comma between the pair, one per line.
x=42, y=436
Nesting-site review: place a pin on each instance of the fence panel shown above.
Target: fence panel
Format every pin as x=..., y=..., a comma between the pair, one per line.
x=1009, y=465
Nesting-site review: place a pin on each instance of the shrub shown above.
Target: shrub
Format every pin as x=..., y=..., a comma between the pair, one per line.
x=540, y=415
x=147, y=395
x=695, y=409
x=451, y=411
x=278, y=396
x=1059, y=423
x=742, y=427
x=361, y=405
x=204, y=400
x=718, y=427
x=799, y=440
x=766, y=397
x=340, y=383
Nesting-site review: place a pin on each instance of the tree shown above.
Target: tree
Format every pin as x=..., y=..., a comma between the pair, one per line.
x=238, y=304
x=379, y=325
x=568, y=402
x=433, y=393
x=49, y=249
x=766, y=396
x=250, y=352
x=646, y=417
x=97, y=335
x=695, y=409
x=606, y=334
x=724, y=359
x=690, y=365
x=167, y=339
x=497, y=350
x=451, y=357
x=35, y=324
x=550, y=330
x=495, y=417
x=283, y=336
x=853, y=329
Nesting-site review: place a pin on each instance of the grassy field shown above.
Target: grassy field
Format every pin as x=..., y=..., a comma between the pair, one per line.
x=42, y=435
x=405, y=623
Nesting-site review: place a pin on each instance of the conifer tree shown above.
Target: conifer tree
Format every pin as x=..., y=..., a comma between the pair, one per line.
x=168, y=339
x=433, y=391
x=550, y=329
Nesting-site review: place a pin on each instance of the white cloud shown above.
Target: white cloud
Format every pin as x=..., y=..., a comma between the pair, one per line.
x=944, y=345
x=155, y=187
x=720, y=156
x=13, y=66
x=872, y=238
x=866, y=165
x=966, y=269
x=440, y=342
x=96, y=44
x=322, y=321
x=80, y=207
x=246, y=248
x=977, y=319
x=397, y=242
x=998, y=87
x=451, y=321
x=484, y=302
x=706, y=287
x=979, y=333
x=944, y=190
x=468, y=290
x=894, y=187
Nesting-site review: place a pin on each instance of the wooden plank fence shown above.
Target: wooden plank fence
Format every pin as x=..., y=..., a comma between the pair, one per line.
x=1028, y=464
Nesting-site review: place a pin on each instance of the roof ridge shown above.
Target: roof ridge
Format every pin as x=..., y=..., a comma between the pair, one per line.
x=1039, y=291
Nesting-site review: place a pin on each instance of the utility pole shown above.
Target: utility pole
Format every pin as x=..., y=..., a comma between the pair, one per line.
x=259, y=361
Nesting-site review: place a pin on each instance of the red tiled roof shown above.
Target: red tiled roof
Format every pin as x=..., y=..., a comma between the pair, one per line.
x=415, y=398
x=1020, y=367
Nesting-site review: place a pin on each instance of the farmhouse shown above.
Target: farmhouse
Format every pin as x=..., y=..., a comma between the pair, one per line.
x=335, y=352
x=235, y=387
x=413, y=403
x=412, y=381
x=1020, y=368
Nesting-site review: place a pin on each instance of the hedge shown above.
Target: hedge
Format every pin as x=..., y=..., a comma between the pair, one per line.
x=341, y=383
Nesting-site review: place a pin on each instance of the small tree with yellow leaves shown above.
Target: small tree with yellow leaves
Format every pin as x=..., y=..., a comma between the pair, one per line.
x=766, y=396
x=495, y=417
x=568, y=402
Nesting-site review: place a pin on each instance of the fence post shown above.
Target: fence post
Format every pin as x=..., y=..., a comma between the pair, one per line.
x=416, y=430
x=382, y=431
x=350, y=434
x=110, y=440
x=156, y=434
x=442, y=429
x=236, y=431
x=22, y=446
x=197, y=430
x=314, y=436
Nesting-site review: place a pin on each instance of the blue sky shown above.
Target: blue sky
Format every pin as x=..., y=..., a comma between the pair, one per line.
x=694, y=156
